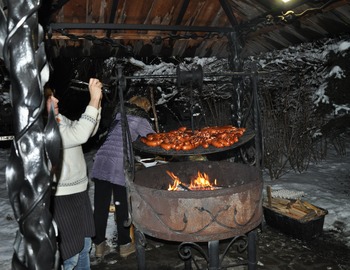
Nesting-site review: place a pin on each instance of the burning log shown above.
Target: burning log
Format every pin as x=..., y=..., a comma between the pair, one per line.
x=201, y=182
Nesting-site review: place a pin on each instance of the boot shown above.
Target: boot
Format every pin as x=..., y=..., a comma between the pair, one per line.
x=102, y=249
x=127, y=249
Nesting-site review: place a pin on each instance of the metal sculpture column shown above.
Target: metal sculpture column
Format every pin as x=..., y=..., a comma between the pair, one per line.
x=35, y=151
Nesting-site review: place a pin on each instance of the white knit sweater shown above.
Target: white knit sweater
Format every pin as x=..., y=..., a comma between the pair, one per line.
x=73, y=177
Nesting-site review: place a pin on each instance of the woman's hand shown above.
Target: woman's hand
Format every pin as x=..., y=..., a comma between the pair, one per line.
x=95, y=89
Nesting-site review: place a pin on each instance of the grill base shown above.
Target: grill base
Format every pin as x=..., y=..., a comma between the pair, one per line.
x=191, y=252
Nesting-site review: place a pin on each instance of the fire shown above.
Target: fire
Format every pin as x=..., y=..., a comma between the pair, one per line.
x=200, y=182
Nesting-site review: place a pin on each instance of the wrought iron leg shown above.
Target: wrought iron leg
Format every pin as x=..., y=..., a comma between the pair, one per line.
x=188, y=264
x=252, y=237
x=213, y=249
x=140, y=242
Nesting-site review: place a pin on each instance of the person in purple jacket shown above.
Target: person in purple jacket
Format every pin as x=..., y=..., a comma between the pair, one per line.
x=108, y=176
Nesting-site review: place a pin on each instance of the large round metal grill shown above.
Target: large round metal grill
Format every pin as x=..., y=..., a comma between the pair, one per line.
x=202, y=215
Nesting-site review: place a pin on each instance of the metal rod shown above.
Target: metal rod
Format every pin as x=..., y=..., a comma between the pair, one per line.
x=154, y=109
x=213, y=248
x=112, y=15
x=170, y=76
x=105, y=87
x=181, y=13
x=257, y=122
x=86, y=83
x=140, y=242
x=229, y=13
x=113, y=26
x=252, y=237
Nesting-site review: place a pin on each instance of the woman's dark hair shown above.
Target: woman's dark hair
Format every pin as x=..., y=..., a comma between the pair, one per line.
x=48, y=92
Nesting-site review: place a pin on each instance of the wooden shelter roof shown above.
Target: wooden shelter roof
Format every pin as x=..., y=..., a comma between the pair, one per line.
x=188, y=28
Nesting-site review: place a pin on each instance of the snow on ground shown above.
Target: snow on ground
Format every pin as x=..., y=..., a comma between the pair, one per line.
x=325, y=184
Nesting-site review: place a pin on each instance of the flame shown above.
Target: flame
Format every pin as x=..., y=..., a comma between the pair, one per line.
x=176, y=180
x=201, y=182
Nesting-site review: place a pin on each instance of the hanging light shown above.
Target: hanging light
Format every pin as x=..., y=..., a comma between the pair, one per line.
x=285, y=1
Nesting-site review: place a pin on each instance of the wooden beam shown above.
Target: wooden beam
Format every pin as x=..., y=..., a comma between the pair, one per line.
x=120, y=36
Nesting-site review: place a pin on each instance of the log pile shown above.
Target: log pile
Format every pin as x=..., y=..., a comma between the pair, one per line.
x=297, y=209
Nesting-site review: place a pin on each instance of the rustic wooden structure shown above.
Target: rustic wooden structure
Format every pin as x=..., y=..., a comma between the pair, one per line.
x=189, y=28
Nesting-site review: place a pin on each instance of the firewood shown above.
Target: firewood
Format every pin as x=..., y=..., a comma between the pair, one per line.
x=282, y=209
x=291, y=215
x=301, y=207
x=280, y=201
x=316, y=209
x=297, y=212
x=310, y=216
x=298, y=209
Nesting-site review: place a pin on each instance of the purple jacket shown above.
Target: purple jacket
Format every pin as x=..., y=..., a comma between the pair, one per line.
x=108, y=162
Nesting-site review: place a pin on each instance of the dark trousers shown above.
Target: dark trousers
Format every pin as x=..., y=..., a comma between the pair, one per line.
x=102, y=200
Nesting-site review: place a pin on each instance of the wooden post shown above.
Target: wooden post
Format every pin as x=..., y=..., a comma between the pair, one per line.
x=269, y=196
x=154, y=110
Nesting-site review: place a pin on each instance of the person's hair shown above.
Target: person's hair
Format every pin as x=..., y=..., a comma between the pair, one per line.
x=141, y=102
x=48, y=92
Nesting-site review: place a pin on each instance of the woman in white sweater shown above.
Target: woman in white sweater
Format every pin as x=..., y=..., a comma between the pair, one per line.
x=71, y=206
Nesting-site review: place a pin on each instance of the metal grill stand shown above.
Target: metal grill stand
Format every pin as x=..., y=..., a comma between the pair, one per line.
x=213, y=258
x=232, y=213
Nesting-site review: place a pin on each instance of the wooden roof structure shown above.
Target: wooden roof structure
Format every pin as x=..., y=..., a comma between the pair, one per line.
x=188, y=28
